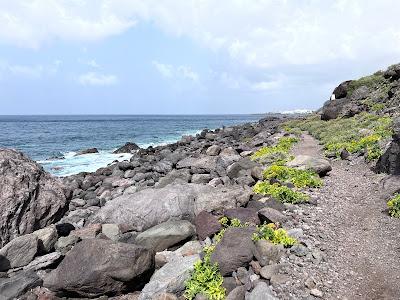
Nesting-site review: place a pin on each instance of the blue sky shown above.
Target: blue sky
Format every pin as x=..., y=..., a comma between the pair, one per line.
x=192, y=56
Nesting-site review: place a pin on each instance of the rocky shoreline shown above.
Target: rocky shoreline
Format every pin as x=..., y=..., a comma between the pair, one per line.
x=241, y=212
x=131, y=219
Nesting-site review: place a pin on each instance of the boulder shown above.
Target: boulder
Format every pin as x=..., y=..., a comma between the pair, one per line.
x=244, y=215
x=112, y=231
x=206, y=225
x=270, y=215
x=234, y=250
x=238, y=293
x=127, y=148
x=30, y=198
x=201, y=178
x=175, y=176
x=64, y=244
x=96, y=267
x=174, y=201
x=43, y=262
x=19, y=252
x=165, y=235
x=305, y=162
x=213, y=150
x=389, y=162
x=266, y=252
x=170, y=278
x=233, y=171
x=47, y=238
x=261, y=292
x=16, y=286
x=266, y=202
x=205, y=162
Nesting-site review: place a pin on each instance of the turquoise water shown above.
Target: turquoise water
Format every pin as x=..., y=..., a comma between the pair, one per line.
x=44, y=137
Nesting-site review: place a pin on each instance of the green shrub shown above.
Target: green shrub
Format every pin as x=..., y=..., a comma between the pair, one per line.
x=205, y=279
x=394, y=206
x=278, y=153
x=275, y=236
x=344, y=133
x=300, y=178
x=280, y=192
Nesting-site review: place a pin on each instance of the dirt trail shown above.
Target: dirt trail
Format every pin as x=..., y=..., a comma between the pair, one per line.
x=362, y=242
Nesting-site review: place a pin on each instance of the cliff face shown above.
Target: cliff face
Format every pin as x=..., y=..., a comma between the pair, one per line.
x=379, y=92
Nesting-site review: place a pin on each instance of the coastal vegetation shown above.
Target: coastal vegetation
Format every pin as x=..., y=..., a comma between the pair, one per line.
x=277, y=236
x=279, y=153
x=361, y=134
x=394, y=206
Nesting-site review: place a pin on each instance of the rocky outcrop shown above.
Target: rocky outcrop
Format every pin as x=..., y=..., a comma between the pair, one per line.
x=87, y=151
x=235, y=250
x=30, y=198
x=389, y=162
x=319, y=165
x=127, y=148
x=95, y=267
x=174, y=201
x=165, y=235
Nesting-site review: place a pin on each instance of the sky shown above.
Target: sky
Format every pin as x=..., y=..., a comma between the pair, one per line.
x=188, y=56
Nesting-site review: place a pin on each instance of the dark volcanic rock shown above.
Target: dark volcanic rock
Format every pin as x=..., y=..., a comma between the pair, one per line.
x=244, y=215
x=87, y=151
x=206, y=225
x=174, y=201
x=127, y=148
x=234, y=250
x=19, y=252
x=389, y=162
x=13, y=287
x=95, y=267
x=30, y=198
x=165, y=235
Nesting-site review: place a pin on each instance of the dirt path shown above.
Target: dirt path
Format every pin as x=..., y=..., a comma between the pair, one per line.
x=362, y=242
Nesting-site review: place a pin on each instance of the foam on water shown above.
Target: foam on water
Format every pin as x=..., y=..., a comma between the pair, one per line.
x=72, y=164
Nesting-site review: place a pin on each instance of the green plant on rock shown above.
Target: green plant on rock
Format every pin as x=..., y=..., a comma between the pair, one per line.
x=280, y=192
x=276, y=236
x=371, y=81
x=206, y=280
x=394, y=206
x=278, y=153
x=299, y=178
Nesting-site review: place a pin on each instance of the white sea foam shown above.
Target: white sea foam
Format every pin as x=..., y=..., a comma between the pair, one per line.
x=72, y=164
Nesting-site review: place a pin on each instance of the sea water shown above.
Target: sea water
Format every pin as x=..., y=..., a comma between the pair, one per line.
x=53, y=141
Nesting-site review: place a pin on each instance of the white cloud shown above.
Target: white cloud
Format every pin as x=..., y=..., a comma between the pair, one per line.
x=260, y=34
x=30, y=71
x=97, y=79
x=176, y=72
x=92, y=63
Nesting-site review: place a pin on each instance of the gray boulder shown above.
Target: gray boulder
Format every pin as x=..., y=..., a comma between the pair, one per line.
x=261, y=292
x=213, y=150
x=174, y=201
x=305, y=162
x=95, y=267
x=19, y=252
x=127, y=148
x=175, y=176
x=266, y=252
x=270, y=215
x=170, y=278
x=47, y=238
x=16, y=286
x=205, y=162
x=165, y=235
x=234, y=250
x=30, y=198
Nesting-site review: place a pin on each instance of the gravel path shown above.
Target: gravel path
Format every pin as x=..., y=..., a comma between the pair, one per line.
x=360, y=242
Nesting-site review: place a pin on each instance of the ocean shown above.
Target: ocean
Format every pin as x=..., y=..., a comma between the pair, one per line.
x=45, y=138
